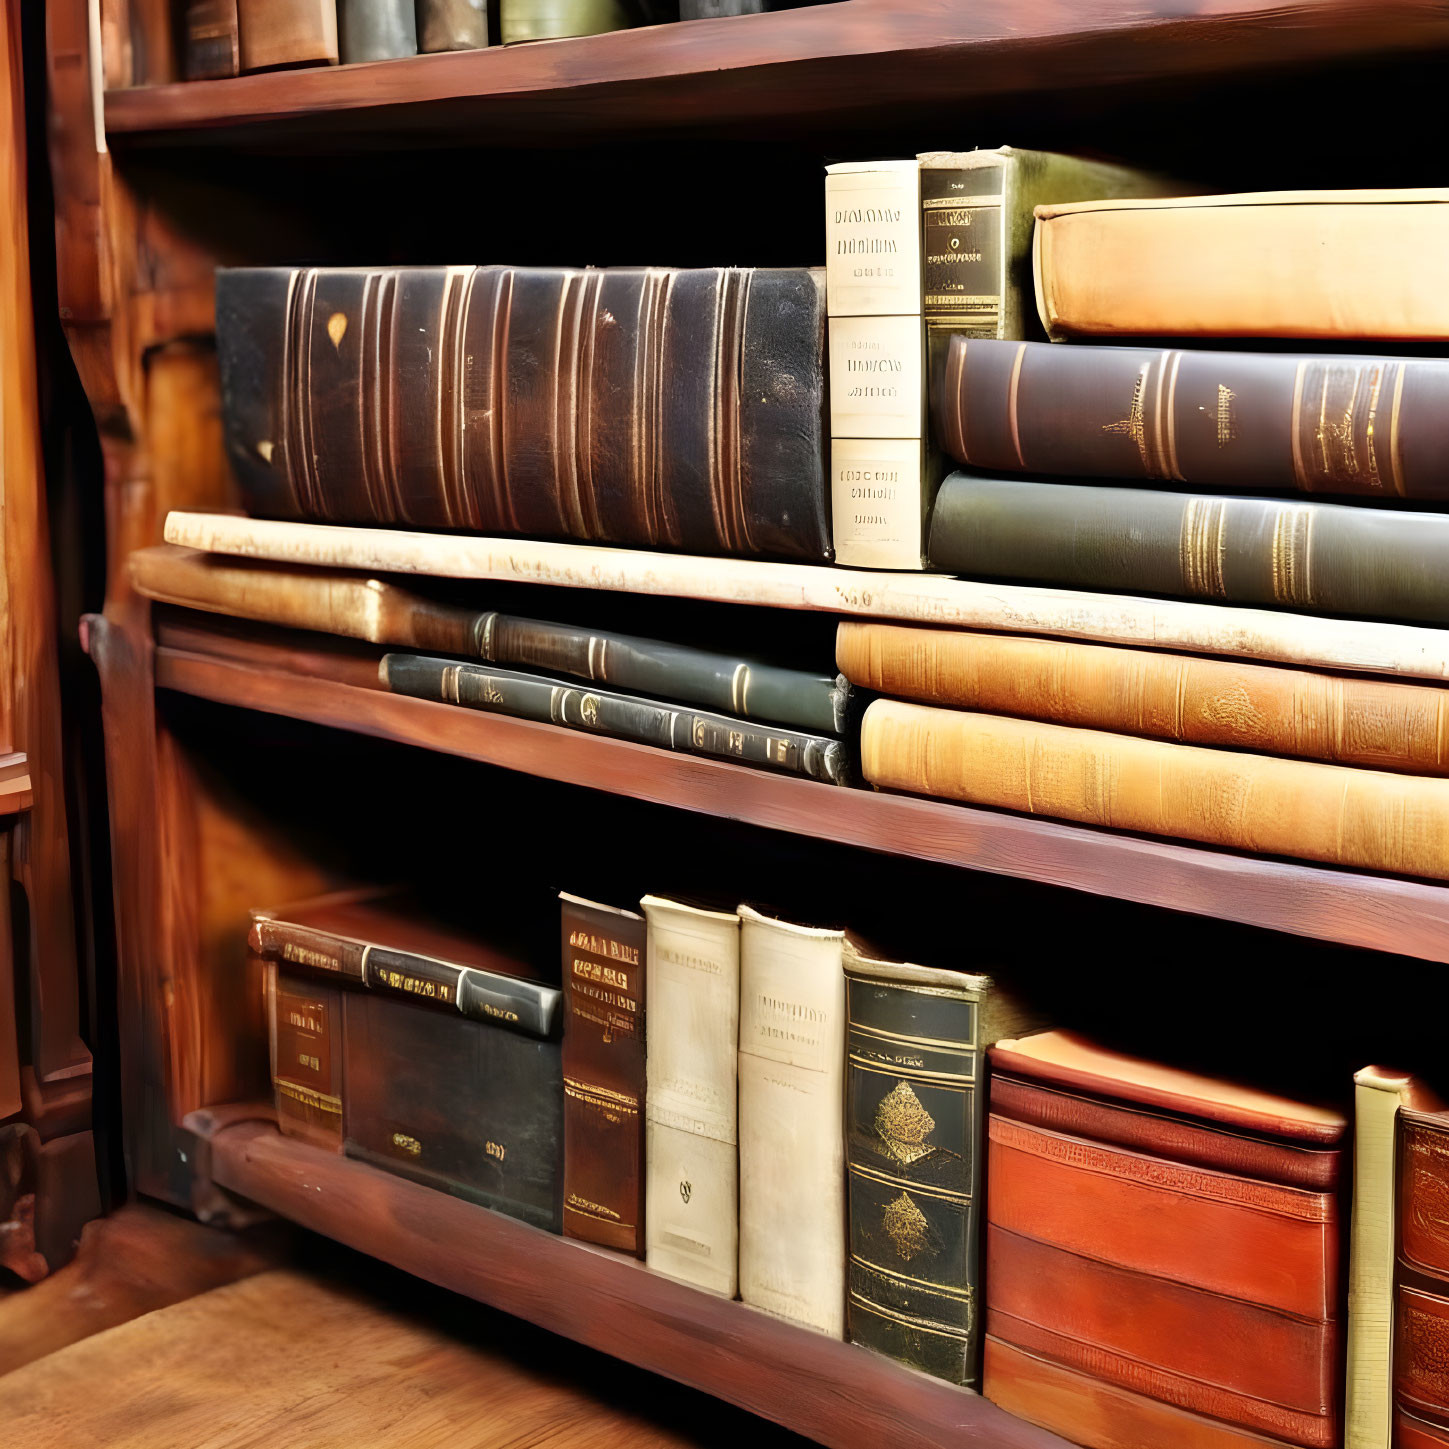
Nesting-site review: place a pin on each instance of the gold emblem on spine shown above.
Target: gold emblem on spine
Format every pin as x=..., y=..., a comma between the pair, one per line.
x=1134, y=424
x=1227, y=427
x=903, y=1124
x=589, y=710
x=906, y=1224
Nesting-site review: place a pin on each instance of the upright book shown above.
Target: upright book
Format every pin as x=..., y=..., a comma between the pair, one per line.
x=376, y=30
x=452, y=25
x=1421, y=1282
x=304, y=1020
x=792, y=1138
x=272, y=34
x=1163, y=1243
x=915, y=1113
x=691, y=1209
x=210, y=39
x=669, y=409
x=604, y=1071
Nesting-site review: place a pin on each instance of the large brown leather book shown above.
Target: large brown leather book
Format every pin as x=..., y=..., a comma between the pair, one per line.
x=669, y=409
x=1331, y=264
x=604, y=971
x=1234, y=420
x=1381, y=724
x=1364, y=818
x=272, y=34
x=1207, y=1288
x=1421, y=1318
x=1331, y=558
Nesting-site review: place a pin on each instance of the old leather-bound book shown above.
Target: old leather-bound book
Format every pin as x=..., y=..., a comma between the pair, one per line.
x=450, y=1070
x=691, y=1056
x=210, y=45
x=1260, y=803
x=1233, y=420
x=1327, y=557
x=1421, y=1317
x=1378, y=1095
x=670, y=409
x=272, y=34
x=605, y=974
x=1200, y=1294
x=915, y=1109
x=792, y=1134
x=524, y=20
x=376, y=30
x=305, y=1024
x=452, y=25
x=597, y=711
x=1331, y=264
x=1382, y=724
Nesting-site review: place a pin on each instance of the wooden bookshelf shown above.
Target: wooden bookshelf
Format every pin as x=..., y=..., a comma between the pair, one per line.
x=1378, y=912
x=833, y=1392
x=828, y=63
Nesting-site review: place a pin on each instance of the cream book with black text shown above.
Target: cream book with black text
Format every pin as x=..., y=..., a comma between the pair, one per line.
x=691, y=1214
x=792, y=1121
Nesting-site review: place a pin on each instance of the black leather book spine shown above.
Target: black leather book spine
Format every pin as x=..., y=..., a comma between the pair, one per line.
x=649, y=722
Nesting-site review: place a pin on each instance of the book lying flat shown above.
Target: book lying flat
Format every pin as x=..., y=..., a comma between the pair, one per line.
x=596, y=711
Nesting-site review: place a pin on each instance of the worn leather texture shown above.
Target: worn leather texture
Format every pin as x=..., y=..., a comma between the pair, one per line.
x=1258, y=803
x=605, y=976
x=1231, y=420
x=1379, y=724
x=306, y=1049
x=273, y=33
x=597, y=711
x=1421, y=1280
x=1330, y=558
x=452, y=25
x=675, y=409
x=472, y=1108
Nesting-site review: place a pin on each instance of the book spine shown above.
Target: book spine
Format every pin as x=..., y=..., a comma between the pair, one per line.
x=1226, y=420
x=302, y=946
x=1255, y=803
x=525, y=20
x=376, y=30
x=792, y=1159
x=692, y=1158
x=604, y=1075
x=452, y=25
x=717, y=9
x=597, y=712
x=1378, y=724
x=273, y=33
x=480, y=995
x=209, y=39
x=649, y=666
x=1369, y=563
x=914, y=1116
x=965, y=253
x=305, y=1017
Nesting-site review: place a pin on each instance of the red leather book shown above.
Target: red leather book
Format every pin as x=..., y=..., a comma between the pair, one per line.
x=1162, y=1252
x=1421, y=1286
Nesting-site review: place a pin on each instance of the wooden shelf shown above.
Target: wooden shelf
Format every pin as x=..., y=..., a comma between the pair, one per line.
x=1378, y=912
x=828, y=63
x=833, y=1392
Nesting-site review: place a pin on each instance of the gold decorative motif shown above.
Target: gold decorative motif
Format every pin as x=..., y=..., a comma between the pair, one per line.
x=337, y=328
x=492, y=694
x=589, y=709
x=907, y=1225
x=1134, y=425
x=1227, y=426
x=903, y=1124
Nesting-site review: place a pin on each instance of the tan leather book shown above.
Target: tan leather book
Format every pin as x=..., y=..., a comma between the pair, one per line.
x=273, y=33
x=1331, y=264
x=1381, y=724
x=1362, y=818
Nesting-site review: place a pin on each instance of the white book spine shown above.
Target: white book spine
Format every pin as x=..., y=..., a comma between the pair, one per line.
x=691, y=1185
x=792, y=1132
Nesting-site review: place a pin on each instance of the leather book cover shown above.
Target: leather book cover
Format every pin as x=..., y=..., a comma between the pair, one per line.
x=275, y=33
x=1376, y=723
x=375, y=30
x=914, y=1114
x=1330, y=558
x=305, y=1020
x=524, y=20
x=1258, y=803
x=1421, y=1279
x=209, y=39
x=1096, y=1271
x=1250, y=421
x=604, y=971
x=473, y=1108
x=678, y=409
x=1350, y=265
x=597, y=711
x=452, y=25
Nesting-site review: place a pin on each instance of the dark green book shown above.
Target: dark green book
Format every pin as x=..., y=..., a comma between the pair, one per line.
x=597, y=711
x=1324, y=557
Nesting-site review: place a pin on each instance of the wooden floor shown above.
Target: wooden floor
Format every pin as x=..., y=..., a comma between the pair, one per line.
x=305, y=1344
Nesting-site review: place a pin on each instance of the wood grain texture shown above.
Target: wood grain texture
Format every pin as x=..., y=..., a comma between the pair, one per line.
x=816, y=64
x=836, y=1393
x=1377, y=648
x=1374, y=911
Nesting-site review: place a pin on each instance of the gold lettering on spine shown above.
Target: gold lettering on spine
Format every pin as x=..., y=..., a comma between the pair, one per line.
x=1200, y=546
x=1011, y=402
x=1132, y=425
x=1370, y=447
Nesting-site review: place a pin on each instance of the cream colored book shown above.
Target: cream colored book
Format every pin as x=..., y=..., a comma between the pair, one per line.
x=1412, y=650
x=873, y=238
x=792, y=1121
x=691, y=1189
x=1378, y=1095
